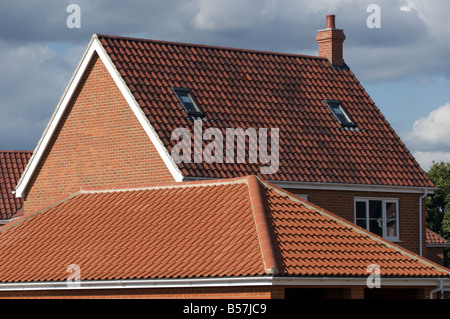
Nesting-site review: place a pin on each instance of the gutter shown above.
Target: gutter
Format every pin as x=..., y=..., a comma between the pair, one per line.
x=220, y=282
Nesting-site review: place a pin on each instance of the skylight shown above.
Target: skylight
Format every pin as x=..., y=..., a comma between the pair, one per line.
x=340, y=113
x=187, y=100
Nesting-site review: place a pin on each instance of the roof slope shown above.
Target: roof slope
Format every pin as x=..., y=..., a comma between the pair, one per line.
x=314, y=242
x=238, y=88
x=435, y=239
x=12, y=165
x=194, y=229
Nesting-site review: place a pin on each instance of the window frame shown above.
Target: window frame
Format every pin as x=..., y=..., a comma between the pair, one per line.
x=384, y=201
x=350, y=122
x=177, y=91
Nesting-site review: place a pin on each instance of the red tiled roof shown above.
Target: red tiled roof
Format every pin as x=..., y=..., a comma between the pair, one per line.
x=12, y=164
x=433, y=238
x=228, y=227
x=252, y=89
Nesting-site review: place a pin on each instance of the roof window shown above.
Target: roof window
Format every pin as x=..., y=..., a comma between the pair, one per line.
x=187, y=100
x=339, y=113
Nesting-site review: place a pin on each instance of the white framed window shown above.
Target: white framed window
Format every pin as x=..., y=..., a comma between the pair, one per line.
x=378, y=215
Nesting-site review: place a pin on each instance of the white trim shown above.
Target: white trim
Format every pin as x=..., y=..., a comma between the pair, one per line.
x=144, y=283
x=6, y=221
x=218, y=282
x=94, y=46
x=352, y=187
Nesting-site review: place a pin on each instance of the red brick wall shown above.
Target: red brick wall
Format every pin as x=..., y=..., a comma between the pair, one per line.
x=436, y=254
x=99, y=142
x=155, y=293
x=331, y=45
x=341, y=203
x=267, y=292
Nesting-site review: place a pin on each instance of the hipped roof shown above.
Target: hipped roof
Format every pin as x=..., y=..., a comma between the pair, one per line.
x=219, y=228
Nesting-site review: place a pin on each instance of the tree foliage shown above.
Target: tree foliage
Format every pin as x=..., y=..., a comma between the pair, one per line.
x=438, y=204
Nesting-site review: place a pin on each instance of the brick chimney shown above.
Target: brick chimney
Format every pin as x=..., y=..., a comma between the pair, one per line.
x=331, y=42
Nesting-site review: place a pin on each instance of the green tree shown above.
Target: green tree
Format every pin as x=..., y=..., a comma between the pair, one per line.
x=438, y=204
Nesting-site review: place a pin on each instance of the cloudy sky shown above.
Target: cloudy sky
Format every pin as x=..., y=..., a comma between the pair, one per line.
x=404, y=64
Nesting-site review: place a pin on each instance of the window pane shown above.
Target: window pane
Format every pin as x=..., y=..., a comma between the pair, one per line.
x=391, y=219
x=188, y=102
x=340, y=115
x=376, y=217
x=361, y=223
x=361, y=210
x=375, y=209
x=376, y=226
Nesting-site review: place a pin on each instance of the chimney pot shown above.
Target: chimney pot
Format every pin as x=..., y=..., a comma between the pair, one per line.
x=331, y=21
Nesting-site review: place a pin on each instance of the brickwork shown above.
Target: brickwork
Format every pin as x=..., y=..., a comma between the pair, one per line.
x=436, y=254
x=331, y=45
x=155, y=293
x=268, y=292
x=99, y=143
x=341, y=203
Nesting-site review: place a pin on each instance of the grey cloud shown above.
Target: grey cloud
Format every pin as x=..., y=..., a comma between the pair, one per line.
x=404, y=46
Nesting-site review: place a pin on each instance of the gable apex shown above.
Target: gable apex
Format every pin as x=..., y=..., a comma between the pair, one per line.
x=94, y=48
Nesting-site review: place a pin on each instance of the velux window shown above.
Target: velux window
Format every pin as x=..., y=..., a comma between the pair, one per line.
x=379, y=216
x=339, y=113
x=187, y=100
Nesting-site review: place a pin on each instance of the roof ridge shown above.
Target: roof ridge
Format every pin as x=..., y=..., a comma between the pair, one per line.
x=207, y=46
x=262, y=225
x=100, y=190
x=164, y=185
x=355, y=227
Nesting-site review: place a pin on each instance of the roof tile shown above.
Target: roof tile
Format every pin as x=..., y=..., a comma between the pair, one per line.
x=267, y=90
x=12, y=165
x=194, y=229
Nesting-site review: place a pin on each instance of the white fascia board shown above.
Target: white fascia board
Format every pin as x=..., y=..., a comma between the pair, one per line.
x=340, y=187
x=221, y=282
x=94, y=46
x=143, y=283
x=353, y=187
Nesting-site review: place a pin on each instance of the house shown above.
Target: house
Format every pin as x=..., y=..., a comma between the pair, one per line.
x=116, y=129
x=12, y=164
x=435, y=247
x=238, y=238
